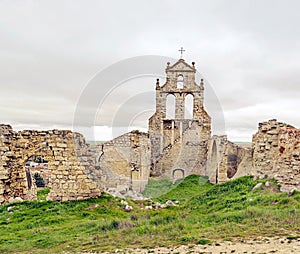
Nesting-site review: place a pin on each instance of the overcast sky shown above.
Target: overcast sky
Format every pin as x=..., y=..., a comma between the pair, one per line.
x=50, y=51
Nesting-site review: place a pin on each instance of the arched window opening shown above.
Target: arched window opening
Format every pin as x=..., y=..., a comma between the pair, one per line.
x=170, y=106
x=180, y=82
x=188, y=106
x=37, y=172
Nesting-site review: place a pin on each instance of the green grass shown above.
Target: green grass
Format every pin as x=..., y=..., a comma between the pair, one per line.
x=42, y=194
x=207, y=213
x=157, y=188
x=182, y=190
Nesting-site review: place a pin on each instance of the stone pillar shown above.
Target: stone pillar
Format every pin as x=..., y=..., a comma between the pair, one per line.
x=179, y=107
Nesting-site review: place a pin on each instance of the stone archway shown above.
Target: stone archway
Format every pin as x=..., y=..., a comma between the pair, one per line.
x=170, y=106
x=177, y=174
x=189, y=106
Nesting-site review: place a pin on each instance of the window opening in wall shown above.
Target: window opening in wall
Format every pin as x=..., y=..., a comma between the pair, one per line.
x=170, y=106
x=37, y=172
x=180, y=82
x=188, y=106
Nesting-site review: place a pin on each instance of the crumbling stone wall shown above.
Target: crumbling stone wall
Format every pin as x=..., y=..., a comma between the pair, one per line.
x=274, y=154
x=216, y=149
x=227, y=160
x=276, y=150
x=123, y=163
x=65, y=153
x=236, y=162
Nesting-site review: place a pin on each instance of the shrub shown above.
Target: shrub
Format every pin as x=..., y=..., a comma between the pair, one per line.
x=203, y=241
x=39, y=181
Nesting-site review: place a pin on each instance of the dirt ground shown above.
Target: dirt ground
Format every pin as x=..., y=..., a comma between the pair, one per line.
x=264, y=245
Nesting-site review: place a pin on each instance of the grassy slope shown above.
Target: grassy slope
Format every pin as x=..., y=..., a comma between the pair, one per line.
x=214, y=212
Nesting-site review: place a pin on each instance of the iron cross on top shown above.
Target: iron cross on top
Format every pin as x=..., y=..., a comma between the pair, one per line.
x=181, y=50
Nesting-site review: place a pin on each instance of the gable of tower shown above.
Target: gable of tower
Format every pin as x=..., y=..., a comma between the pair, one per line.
x=181, y=65
x=180, y=78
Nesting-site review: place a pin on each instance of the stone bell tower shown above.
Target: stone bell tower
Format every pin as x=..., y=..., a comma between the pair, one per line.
x=179, y=137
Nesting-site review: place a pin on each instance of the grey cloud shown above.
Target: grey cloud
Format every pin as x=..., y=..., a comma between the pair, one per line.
x=247, y=51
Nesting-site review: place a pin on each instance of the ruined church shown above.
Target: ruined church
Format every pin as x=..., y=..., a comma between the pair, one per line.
x=179, y=140
x=178, y=143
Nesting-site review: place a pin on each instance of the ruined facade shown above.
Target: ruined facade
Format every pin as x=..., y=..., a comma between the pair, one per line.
x=179, y=142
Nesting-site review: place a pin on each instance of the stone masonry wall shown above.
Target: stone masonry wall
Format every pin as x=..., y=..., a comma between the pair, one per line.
x=65, y=153
x=276, y=151
x=123, y=163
